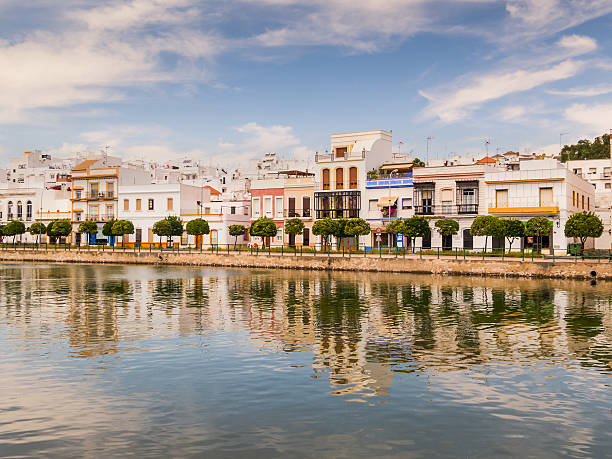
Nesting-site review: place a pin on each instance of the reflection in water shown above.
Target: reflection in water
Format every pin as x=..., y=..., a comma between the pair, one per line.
x=230, y=361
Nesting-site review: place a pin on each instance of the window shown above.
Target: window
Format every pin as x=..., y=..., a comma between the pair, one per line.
x=267, y=207
x=77, y=194
x=9, y=210
x=406, y=203
x=353, y=177
x=578, y=171
x=501, y=198
x=78, y=216
x=588, y=203
x=19, y=210
x=608, y=185
x=139, y=204
x=306, y=206
x=233, y=210
x=29, y=210
x=446, y=197
x=126, y=204
x=184, y=238
x=207, y=210
x=170, y=204
x=279, y=207
x=256, y=208
x=341, y=152
x=546, y=197
x=373, y=204
x=110, y=189
x=93, y=213
x=592, y=170
x=606, y=172
x=109, y=212
x=573, y=198
x=339, y=178
x=325, y=178
x=151, y=204
x=93, y=190
x=583, y=202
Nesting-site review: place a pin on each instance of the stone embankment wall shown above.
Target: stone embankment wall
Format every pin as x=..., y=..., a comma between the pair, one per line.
x=498, y=268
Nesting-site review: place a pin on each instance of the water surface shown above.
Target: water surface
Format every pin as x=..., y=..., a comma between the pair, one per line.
x=111, y=361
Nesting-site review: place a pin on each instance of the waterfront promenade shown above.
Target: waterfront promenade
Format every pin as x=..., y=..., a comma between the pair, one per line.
x=442, y=264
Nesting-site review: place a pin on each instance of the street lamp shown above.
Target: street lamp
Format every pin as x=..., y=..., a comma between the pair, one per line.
x=389, y=201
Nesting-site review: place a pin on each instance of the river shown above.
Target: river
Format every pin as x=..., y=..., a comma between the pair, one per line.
x=111, y=361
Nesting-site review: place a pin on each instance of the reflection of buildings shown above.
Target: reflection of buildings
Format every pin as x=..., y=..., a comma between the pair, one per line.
x=360, y=331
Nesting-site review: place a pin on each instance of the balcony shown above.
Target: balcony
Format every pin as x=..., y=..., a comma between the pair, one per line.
x=328, y=157
x=298, y=213
x=99, y=218
x=102, y=195
x=520, y=207
x=450, y=209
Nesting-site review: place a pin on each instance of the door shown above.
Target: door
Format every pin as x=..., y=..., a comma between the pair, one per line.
x=427, y=202
x=546, y=197
x=447, y=242
x=306, y=237
x=498, y=243
x=138, y=237
x=468, y=240
x=292, y=240
x=306, y=206
x=426, y=244
x=291, y=210
x=78, y=238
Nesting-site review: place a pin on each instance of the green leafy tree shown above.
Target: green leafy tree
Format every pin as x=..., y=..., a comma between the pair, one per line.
x=512, y=230
x=37, y=229
x=416, y=162
x=294, y=226
x=14, y=228
x=325, y=228
x=122, y=228
x=538, y=227
x=197, y=227
x=583, y=226
x=162, y=228
x=263, y=228
x=50, y=230
x=107, y=229
x=585, y=149
x=447, y=227
x=395, y=227
x=61, y=228
x=87, y=227
x=236, y=230
x=357, y=227
x=2, y=227
x=414, y=227
x=485, y=225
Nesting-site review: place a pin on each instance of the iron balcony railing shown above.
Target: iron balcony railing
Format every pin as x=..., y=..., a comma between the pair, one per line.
x=450, y=209
x=101, y=195
x=297, y=213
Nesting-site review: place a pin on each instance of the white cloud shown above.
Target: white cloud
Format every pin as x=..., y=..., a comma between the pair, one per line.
x=513, y=113
x=584, y=91
x=452, y=104
x=597, y=118
x=578, y=44
x=96, y=55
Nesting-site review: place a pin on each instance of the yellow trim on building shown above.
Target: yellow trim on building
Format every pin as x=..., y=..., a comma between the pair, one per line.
x=554, y=179
x=523, y=210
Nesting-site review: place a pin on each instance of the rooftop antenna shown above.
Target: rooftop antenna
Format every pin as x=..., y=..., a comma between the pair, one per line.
x=106, y=154
x=487, y=142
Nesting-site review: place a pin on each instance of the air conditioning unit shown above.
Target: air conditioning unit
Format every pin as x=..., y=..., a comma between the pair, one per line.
x=100, y=195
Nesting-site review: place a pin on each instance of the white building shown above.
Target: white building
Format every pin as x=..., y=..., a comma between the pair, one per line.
x=342, y=173
x=539, y=188
x=597, y=173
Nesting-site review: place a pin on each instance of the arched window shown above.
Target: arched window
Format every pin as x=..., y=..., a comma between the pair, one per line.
x=353, y=177
x=9, y=211
x=19, y=210
x=325, y=178
x=339, y=178
x=29, y=210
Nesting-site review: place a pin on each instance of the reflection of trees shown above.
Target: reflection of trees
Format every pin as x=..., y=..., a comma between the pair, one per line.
x=417, y=299
x=167, y=292
x=538, y=306
x=583, y=318
x=262, y=292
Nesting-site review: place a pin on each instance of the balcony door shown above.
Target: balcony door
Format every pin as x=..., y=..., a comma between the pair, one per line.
x=427, y=201
x=546, y=197
x=501, y=198
x=291, y=205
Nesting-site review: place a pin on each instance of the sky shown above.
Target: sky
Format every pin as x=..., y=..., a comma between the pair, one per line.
x=225, y=81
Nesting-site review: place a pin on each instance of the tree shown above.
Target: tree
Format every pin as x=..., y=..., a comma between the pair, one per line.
x=447, y=227
x=324, y=228
x=485, y=225
x=61, y=228
x=162, y=228
x=582, y=226
x=585, y=149
x=236, y=230
x=2, y=227
x=14, y=228
x=416, y=162
x=197, y=227
x=357, y=227
x=414, y=227
x=107, y=230
x=87, y=227
x=263, y=228
x=121, y=228
x=294, y=226
x=172, y=227
x=538, y=227
x=394, y=227
x=37, y=229
x=512, y=229
x=49, y=230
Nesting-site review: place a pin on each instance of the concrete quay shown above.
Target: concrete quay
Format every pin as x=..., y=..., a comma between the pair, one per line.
x=495, y=267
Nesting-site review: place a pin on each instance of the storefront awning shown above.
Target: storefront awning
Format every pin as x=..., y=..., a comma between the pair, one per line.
x=387, y=201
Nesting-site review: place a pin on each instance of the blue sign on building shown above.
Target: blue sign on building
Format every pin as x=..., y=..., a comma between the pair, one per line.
x=390, y=183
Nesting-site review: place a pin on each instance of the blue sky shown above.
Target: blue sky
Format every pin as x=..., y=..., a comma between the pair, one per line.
x=226, y=81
